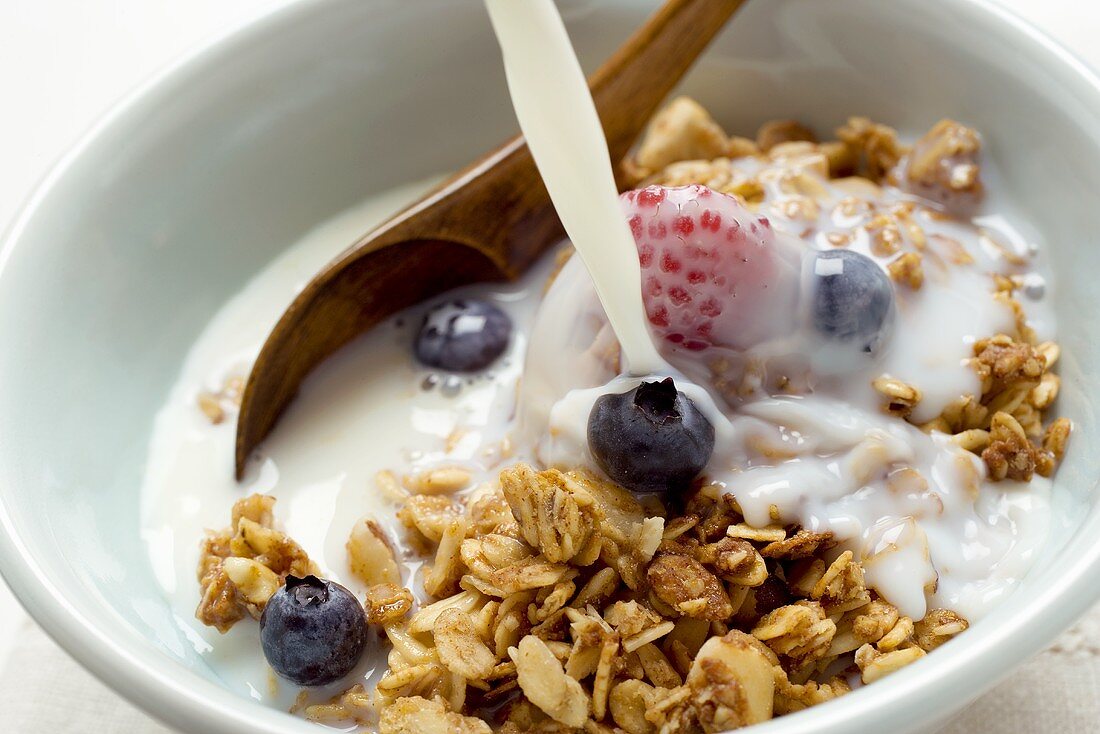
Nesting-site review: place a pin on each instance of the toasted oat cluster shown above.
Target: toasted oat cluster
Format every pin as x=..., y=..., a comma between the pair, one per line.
x=571, y=606
x=355, y=704
x=217, y=405
x=1006, y=425
x=242, y=566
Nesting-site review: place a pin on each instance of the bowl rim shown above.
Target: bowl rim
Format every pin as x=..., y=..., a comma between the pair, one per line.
x=190, y=701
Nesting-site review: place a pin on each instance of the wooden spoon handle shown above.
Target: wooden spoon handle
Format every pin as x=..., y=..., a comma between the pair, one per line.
x=519, y=222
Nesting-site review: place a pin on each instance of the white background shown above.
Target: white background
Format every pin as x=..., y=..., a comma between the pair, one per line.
x=63, y=62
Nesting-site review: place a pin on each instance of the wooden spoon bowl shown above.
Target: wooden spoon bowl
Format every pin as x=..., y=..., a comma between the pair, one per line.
x=489, y=222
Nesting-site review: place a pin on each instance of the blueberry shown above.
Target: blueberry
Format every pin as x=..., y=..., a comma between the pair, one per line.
x=464, y=335
x=313, y=631
x=852, y=299
x=651, y=438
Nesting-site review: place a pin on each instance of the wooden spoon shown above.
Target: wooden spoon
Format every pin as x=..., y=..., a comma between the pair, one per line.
x=442, y=241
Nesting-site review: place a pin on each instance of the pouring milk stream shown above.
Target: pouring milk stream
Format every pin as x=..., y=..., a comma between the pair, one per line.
x=559, y=121
x=558, y=118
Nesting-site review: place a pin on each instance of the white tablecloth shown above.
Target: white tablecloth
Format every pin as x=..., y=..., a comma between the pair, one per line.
x=63, y=61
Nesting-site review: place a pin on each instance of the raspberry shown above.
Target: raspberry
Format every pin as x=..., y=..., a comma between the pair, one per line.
x=713, y=273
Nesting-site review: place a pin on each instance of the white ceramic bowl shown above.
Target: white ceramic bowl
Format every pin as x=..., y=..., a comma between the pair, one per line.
x=190, y=186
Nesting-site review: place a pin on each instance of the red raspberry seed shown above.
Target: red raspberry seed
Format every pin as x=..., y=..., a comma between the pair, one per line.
x=710, y=220
x=683, y=226
x=679, y=296
x=659, y=317
x=651, y=196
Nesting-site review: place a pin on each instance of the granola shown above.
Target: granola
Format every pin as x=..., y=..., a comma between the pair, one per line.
x=241, y=566
x=689, y=650
x=555, y=600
